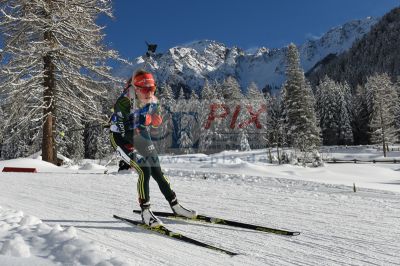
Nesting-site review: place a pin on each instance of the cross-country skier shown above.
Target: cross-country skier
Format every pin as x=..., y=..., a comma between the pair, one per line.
x=135, y=112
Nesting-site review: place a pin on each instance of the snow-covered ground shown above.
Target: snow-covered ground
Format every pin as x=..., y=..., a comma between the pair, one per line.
x=64, y=215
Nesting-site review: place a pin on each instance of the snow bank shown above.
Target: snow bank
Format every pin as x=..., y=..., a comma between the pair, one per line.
x=243, y=165
x=45, y=167
x=92, y=166
x=40, y=165
x=26, y=240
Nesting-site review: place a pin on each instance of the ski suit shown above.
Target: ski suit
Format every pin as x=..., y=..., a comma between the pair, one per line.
x=130, y=137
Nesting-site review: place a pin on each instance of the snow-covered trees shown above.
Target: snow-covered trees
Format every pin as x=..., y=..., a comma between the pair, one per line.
x=397, y=85
x=244, y=143
x=230, y=89
x=384, y=100
x=53, y=65
x=360, y=113
x=257, y=102
x=206, y=134
x=167, y=101
x=299, y=104
x=332, y=107
x=185, y=143
x=276, y=136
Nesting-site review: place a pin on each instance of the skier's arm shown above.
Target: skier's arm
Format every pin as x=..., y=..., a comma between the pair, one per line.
x=120, y=120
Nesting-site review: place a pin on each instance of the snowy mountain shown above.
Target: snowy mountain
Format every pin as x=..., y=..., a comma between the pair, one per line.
x=376, y=52
x=189, y=65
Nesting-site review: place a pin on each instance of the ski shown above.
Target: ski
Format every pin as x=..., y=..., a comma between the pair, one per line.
x=165, y=231
x=214, y=220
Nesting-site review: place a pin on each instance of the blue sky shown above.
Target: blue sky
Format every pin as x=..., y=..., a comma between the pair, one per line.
x=243, y=23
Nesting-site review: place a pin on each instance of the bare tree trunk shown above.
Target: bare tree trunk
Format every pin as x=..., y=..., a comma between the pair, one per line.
x=277, y=153
x=277, y=137
x=48, y=142
x=384, y=145
x=269, y=155
x=48, y=112
x=383, y=132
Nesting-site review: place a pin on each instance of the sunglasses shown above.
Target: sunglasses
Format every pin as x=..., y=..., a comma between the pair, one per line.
x=145, y=89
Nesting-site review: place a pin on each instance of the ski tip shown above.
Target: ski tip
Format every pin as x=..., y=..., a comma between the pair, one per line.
x=287, y=233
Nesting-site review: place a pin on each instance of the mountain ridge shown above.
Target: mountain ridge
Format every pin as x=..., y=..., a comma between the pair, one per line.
x=189, y=65
x=376, y=52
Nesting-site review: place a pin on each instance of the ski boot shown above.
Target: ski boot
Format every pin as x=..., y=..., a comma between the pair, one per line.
x=178, y=209
x=148, y=216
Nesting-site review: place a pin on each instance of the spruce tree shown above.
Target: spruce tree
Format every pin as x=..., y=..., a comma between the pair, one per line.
x=230, y=89
x=217, y=127
x=164, y=132
x=344, y=117
x=188, y=125
x=361, y=113
x=194, y=109
x=253, y=92
x=299, y=104
x=244, y=143
x=258, y=104
x=233, y=99
x=384, y=110
x=103, y=147
x=397, y=86
x=275, y=126
x=332, y=108
x=206, y=134
x=326, y=105
x=185, y=143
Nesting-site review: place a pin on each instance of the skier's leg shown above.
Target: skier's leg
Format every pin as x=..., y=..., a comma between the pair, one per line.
x=163, y=182
x=143, y=170
x=169, y=194
x=121, y=145
x=145, y=147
